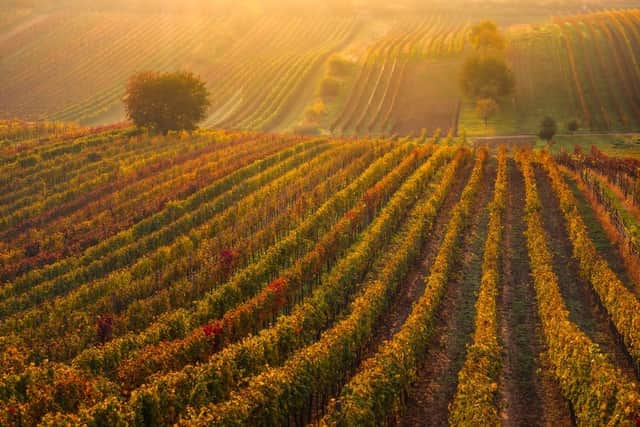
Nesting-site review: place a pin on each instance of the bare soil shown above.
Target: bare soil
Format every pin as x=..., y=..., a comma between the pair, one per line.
x=435, y=387
x=528, y=395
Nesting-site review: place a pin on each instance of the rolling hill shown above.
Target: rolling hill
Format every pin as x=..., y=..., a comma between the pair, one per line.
x=343, y=242
x=267, y=71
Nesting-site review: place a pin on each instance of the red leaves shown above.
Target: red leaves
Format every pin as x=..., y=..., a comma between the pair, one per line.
x=373, y=195
x=577, y=150
x=212, y=329
x=227, y=260
x=104, y=327
x=208, y=330
x=278, y=289
x=278, y=285
x=596, y=153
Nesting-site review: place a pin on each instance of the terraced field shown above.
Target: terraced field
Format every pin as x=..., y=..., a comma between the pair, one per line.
x=238, y=278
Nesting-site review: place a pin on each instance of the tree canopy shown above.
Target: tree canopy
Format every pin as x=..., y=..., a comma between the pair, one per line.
x=486, y=35
x=166, y=101
x=486, y=77
x=548, y=129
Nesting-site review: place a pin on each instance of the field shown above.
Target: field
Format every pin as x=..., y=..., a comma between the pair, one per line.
x=235, y=278
x=579, y=67
x=345, y=73
x=343, y=240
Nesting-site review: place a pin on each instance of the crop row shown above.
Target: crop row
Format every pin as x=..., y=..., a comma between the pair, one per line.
x=112, y=207
x=598, y=392
x=290, y=287
x=620, y=303
x=310, y=374
x=374, y=171
x=199, y=203
x=475, y=399
x=155, y=240
x=377, y=391
x=144, y=291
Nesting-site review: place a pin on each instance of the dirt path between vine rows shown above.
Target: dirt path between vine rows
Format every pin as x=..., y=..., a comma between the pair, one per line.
x=431, y=394
x=528, y=395
x=581, y=299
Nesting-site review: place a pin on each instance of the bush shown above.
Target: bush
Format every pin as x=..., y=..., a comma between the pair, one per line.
x=548, y=129
x=315, y=111
x=573, y=126
x=330, y=86
x=339, y=66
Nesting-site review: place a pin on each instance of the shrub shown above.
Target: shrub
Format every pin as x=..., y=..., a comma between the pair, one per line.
x=330, y=86
x=338, y=66
x=315, y=111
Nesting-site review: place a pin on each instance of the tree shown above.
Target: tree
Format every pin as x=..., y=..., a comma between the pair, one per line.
x=486, y=36
x=486, y=107
x=166, y=101
x=573, y=126
x=548, y=129
x=486, y=77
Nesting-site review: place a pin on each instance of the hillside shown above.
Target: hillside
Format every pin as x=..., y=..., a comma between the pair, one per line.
x=242, y=278
x=579, y=67
x=271, y=71
x=387, y=214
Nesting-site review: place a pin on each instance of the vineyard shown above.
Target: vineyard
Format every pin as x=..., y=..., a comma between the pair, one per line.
x=236, y=56
x=582, y=67
x=367, y=223
x=341, y=74
x=237, y=278
x=72, y=50
x=380, y=100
